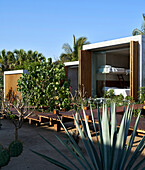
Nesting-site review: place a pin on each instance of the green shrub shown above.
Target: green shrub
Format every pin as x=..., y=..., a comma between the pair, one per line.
x=15, y=148
x=141, y=94
x=46, y=84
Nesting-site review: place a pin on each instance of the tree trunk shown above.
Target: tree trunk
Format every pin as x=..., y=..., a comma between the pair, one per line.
x=16, y=133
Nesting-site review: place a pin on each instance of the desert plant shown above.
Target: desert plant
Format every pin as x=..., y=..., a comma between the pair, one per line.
x=4, y=156
x=113, y=151
x=15, y=148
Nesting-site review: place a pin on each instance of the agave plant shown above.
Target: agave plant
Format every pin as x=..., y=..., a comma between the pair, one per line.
x=113, y=149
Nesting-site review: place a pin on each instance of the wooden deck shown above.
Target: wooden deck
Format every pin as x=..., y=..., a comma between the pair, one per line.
x=40, y=118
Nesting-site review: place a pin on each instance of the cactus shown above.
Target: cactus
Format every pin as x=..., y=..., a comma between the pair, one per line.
x=4, y=156
x=15, y=148
x=1, y=147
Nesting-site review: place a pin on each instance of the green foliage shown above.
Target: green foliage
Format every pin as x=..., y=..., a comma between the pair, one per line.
x=46, y=84
x=141, y=95
x=118, y=99
x=136, y=112
x=15, y=148
x=4, y=157
x=109, y=94
x=73, y=54
x=19, y=59
x=113, y=149
x=1, y=147
x=142, y=31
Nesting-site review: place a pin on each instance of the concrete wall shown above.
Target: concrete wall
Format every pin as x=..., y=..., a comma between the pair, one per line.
x=73, y=76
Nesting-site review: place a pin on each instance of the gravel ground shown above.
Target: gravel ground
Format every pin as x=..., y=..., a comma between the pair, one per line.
x=29, y=135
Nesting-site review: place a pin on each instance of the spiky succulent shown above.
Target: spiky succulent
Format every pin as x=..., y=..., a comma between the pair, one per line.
x=4, y=156
x=15, y=148
x=1, y=147
x=113, y=149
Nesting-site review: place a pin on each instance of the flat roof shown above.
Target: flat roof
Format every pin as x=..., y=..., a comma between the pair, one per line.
x=72, y=63
x=16, y=72
x=114, y=42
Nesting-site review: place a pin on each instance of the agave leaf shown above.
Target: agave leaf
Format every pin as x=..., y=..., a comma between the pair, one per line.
x=74, y=143
x=130, y=142
x=86, y=145
x=55, y=162
x=59, y=152
x=136, y=153
x=113, y=132
x=101, y=136
x=87, y=125
x=94, y=125
x=113, y=123
x=119, y=143
x=90, y=142
x=139, y=164
x=128, y=124
x=71, y=138
x=106, y=137
x=72, y=152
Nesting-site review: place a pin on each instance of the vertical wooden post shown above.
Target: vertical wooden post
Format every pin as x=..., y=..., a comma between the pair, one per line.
x=66, y=71
x=134, y=69
x=85, y=71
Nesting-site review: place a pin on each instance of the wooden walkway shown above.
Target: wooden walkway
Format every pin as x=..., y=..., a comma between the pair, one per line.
x=40, y=118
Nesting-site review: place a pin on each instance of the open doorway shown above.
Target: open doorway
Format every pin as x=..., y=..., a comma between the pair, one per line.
x=111, y=70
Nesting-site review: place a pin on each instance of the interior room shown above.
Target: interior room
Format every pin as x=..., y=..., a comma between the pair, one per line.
x=110, y=70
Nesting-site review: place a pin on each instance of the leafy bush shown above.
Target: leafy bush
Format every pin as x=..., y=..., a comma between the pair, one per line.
x=118, y=99
x=47, y=84
x=113, y=149
x=141, y=94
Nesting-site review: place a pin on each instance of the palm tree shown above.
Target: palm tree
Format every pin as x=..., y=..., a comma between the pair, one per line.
x=67, y=56
x=35, y=56
x=73, y=54
x=142, y=31
x=7, y=59
x=20, y=56
x=10, y=60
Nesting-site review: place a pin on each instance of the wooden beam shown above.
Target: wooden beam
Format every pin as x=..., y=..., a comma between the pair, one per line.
x=66, y=71
x=85, y=72
x=134, y=69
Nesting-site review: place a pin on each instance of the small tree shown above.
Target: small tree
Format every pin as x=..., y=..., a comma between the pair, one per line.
x=47, y=82
x=17, y=110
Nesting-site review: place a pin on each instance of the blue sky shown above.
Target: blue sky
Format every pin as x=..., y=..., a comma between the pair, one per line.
x=44, y=25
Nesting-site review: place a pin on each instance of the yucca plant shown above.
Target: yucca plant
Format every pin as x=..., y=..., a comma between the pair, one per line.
x=113, y=149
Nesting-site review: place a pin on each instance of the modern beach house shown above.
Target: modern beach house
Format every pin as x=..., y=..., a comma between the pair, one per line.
x=117, y=64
